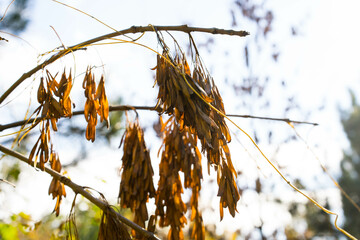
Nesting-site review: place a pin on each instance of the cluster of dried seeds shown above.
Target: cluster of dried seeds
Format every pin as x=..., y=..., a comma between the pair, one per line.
x=96, y=104
x=136, y=186
x=195, y=102
x=196, y=112
x=55, y=102
x=55, y=99
x=180, y=153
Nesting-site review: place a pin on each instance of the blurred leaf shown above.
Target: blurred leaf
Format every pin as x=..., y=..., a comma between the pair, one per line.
x=8, y=232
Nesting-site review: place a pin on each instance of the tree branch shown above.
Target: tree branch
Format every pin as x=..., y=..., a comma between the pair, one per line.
x=111, y=109
x=80, y=190
x=158, y=109
x=287, y=120
x=133, y=29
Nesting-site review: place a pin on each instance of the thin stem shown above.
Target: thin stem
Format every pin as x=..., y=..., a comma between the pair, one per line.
x=5, y=181
x=80, y=112
x=287, y=120
x=325, y=170
x=133, y=29
x=6, y=10
x=128, y=107
x=80, y=190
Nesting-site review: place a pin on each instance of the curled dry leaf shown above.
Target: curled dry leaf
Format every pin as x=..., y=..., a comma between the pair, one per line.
x=96, y=104
x=136, y=186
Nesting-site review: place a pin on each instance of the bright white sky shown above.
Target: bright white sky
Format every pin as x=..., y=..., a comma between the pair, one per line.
x=319, y=66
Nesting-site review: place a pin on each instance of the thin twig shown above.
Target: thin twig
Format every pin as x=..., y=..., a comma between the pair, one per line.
x=128, y=107
x=287, y=120
x=111, y=109
x=5, y=181
x=6, y=10
x=133, y=29
x=80, y=190
x=325, y=170
x=58, y=37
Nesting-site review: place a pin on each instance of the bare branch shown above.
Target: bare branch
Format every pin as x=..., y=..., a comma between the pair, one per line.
x=128, y=107
x=133, y=29
x=111, y=109
x=287, y=120
x=80, y=190
x=6, y=10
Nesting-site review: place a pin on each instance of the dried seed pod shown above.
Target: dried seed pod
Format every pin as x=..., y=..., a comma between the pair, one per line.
x=41, y=94
x=63, y=91
x=41, y=148
x=103, y=110
x=228, y=193
x=56, y=188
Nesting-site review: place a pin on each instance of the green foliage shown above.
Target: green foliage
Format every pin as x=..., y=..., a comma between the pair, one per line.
x=87, y=220
x=9, y=172
x=350, y=170
x=319, y=223
x=22, y=226
x=8, y=232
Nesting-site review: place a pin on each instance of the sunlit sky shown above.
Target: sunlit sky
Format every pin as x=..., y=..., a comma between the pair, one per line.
x=319, y=66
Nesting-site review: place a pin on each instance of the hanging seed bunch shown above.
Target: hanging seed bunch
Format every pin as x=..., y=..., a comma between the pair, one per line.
x=56, y=189
x=136, y=186
x=188, y=97
x=96, y=104
x=112, y=228
x=180, y=153
x=191, y=95
x=54, y=98
x=218, y=152
x=55, y=102
x=228, y=192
